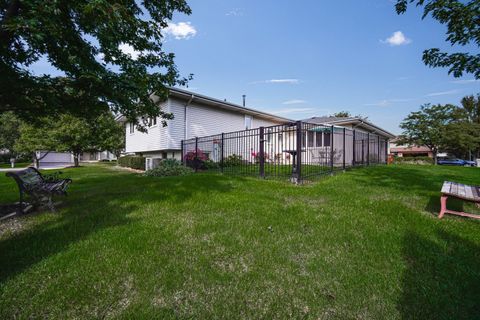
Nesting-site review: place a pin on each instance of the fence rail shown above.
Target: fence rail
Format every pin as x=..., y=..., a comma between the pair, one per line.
x=296, y=151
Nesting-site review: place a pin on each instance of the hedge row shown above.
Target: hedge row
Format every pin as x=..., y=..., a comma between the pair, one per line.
x=134, y=162
x=413, y=160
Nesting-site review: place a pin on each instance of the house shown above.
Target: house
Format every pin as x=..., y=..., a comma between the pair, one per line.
x=195, y=115
x=357, y=123
x=401, y=150
x=95, y=156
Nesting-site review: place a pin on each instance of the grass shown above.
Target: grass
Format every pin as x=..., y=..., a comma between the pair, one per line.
x=17, y=165
x=361, y=245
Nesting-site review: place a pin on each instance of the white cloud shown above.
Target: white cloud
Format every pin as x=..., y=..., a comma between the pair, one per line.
x=237, y=12
x=128, y=49
x=294, y=101
x=397, y=39
x=181, y=30
x=287, y=81
x=442, y=93
x=465, y=81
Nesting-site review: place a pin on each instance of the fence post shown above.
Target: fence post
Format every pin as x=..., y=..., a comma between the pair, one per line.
x=331, y=148
x=386, y=151
x=196, y=155
x=261, y=152
x=344, y=131
x=181, y=152
x=297, y=174
x=221, y=155
x=354, y=151
x=363, y=151
x=378, y=148
x=368, y=148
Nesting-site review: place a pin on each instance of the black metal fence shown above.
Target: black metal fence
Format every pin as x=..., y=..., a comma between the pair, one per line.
x=296, y=151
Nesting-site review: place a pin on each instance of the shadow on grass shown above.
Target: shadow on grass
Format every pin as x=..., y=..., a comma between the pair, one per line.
x=442, y=280
x=98, y=203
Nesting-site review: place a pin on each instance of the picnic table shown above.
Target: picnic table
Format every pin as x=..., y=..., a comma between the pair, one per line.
x=459, y=191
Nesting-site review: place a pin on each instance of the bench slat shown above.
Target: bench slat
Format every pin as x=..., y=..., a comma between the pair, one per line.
x=462, y=191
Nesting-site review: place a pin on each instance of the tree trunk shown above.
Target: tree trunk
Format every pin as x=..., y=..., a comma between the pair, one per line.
x=75, y=159
x=36, y=162
x=435, y=157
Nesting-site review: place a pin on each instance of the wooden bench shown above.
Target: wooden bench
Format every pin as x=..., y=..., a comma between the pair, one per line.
x=31, y=182
x=459, y=191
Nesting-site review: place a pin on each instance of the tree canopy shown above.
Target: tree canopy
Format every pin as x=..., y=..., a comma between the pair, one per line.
x=83, y=39
x=463, y=28
x=68, y=133
x=342, y=114
x=428, y=126
x=9, y=130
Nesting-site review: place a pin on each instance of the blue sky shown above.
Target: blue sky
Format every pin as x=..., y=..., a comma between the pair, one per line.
x=304, y=58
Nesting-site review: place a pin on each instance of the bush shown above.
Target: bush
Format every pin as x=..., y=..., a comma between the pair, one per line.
x=169, y=167
x=134, y=162
x=211, y=165
x=196, y=159
x=413, y=160
x=233, y=161
x=5, y=158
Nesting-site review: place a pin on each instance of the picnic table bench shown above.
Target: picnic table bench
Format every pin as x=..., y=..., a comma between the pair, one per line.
x=459, y=191
x=31, y=182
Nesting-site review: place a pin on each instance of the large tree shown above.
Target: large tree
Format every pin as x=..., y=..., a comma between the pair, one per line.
x=34, y=138
x=463, y=138
x=428, y=127
x=68, y=133
x=84, y=39
x=9, y=131
x=461, y=18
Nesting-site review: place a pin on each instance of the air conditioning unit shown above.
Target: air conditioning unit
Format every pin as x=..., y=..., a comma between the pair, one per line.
x=152, y=163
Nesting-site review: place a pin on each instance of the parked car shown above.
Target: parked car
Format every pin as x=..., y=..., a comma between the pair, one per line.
x=456, y=162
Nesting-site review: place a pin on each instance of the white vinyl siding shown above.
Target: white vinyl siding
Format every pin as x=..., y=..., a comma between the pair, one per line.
x=194, y=120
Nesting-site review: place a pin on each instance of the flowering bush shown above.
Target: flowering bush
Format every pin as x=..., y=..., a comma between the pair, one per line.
x=256, y=156
x=195, y=159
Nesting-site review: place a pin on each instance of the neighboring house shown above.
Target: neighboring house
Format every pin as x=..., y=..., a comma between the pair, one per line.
x=51, y=159
x=357, y=123
x=97, y=156
x=195, y=115
x=401, y=150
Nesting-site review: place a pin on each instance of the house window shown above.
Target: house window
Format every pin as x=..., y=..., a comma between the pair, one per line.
x=132, y=127
x=318, y=139
x=326, y=139
x=248, y=122
x=310, y=138
x=304, y=139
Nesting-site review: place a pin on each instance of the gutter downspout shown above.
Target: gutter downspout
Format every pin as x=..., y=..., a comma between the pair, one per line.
x=185, y=132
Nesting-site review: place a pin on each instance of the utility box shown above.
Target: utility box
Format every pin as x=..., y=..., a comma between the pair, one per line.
x=478, y=163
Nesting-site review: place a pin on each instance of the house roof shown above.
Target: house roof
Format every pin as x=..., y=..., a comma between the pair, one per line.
x=192, y=96
x=356, y=121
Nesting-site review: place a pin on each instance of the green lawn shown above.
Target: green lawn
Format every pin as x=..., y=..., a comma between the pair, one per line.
x=17, y=165
x=365, y=244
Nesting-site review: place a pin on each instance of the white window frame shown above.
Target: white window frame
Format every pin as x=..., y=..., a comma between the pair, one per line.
x=248, y=122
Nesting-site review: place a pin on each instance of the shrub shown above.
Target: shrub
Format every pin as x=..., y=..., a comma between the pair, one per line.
x=233, y=161
x=196, y=159
x=211, y=165
x=169, y=167
x=134, y=162
x=413, y=160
